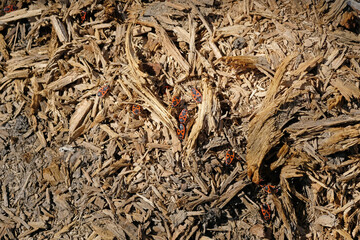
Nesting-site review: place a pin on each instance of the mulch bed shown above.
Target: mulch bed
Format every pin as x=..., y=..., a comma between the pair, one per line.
x=189, y=119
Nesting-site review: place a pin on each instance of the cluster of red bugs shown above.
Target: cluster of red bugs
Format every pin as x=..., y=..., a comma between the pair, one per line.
x=10, y=8
x=136, y=109
x=269, y=188
x=184, y=114
x=265, y=208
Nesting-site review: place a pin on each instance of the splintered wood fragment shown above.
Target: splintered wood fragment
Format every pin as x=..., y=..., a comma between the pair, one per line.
x=25, y=73
x=335, y=9
x=347, y=205
x=346, y=36
x=59, y=29
x=177, y=6
x=229, y=179
x=137, y=83
x=286, y=32
x=308, y=126
x=102, y=232
x=245, y=63
x=282, y=214
x=128, y=227
x=216, y=50
x=227, y=196
x=197, y=177
x=308, y=65
x=191, y=205
x=275, y=82
x=64, y=230
x=113, y=168
x=65, y=80
x=140, y=30
x=78, y=116
x=171, y=49
x=264, y=131
x=20, y=14
x=205, y=109
x=109, y=131
x=41, y=138
x=340, y=139
x=3, y=48
x=348, y=89
x=192, y=48
x=158, y=145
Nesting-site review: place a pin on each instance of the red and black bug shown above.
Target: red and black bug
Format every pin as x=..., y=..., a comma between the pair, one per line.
x=183, y=115
x=266, y=211
x=83, y=16
x=175, y=101
x=230, y=155
x=10, y=8
x=181, y=131
x=269, y=188
x=136, y=109
x=103, y=90
x=196, y=95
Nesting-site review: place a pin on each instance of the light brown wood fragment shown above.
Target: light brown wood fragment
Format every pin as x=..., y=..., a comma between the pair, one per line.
x=335, y=10
x=244, y=63
x=343, y=233
x=308, y=65
x=212, y=44
x=140, y=30
x=59, y=29
x=346, y=36
x=3, y=48
x=171, y=49
x=137, y=83
x=340, y=140
x=20, y=14
x=103, y=232
x=65, y=229
x=70, y=77
x=264, y=132
x=305, y=127
x=286, y=32
x=77, y=118
x=227, y=196
x=282, y=214
x=178, y=6
x=356, y=65
x=25, y=73
x=275, y=82
x=41, y=138
x=109, y=131
x=157, y=145
x=91, y=147
x=205, y=109
x=348, y=89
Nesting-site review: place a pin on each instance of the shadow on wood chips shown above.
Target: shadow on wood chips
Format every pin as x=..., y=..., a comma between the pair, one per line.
x=189, y=119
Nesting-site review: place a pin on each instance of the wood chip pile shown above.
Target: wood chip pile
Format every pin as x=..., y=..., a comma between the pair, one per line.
x=90, y=135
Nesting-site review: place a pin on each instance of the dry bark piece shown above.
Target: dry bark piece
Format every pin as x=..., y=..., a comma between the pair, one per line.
x=79, y=115
x=264, y=133
x=3, y=46
x=59, y=29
